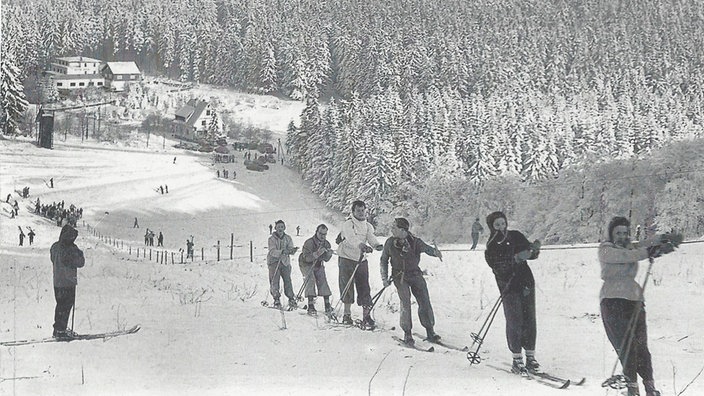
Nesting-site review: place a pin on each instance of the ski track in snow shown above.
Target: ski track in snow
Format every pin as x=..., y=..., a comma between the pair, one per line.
x=204, y=331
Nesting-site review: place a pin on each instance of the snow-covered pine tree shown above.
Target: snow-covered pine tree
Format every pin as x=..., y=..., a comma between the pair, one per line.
x=12, y=98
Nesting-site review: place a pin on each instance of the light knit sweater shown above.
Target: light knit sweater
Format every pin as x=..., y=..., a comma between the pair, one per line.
x=619, y=267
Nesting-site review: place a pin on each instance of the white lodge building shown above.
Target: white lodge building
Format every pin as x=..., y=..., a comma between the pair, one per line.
x=79, y=72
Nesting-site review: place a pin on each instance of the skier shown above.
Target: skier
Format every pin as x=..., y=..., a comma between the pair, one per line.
x=506, y=253
x=270, y=228
x=404, y=249
x=160, y=239
x=622, y=299
x=21, y=237
x=316, y=250
x=298, y=230
x=7, y=200
x=136, y=224
x=66, y=257
x=353, y=267
x=476, y=230
x=279, y=264
x=189, y=249
x=31, y=235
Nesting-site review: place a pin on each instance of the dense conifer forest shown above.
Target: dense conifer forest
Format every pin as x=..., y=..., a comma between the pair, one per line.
x=562, y=113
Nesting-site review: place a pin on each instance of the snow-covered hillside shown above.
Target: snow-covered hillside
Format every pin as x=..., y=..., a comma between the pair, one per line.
x=203, y=328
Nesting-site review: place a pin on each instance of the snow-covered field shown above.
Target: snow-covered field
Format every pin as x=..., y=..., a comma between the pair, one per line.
x=204, y=331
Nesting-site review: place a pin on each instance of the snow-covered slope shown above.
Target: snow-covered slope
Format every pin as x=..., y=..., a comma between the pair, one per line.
x=205, y=332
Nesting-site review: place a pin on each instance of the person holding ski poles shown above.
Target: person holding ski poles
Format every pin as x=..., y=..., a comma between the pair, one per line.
x=279, y=264
x=506, y=253
x=66, y=258
x=316, y=249
x=403, y=249
x=622, y=303
x=355, y=234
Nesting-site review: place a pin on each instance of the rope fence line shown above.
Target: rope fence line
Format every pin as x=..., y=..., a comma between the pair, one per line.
x=559, y=247
x=163, y=256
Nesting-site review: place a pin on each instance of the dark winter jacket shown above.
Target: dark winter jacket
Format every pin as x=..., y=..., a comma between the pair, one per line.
x=404, y=255
x=308, y=254
x=66, y=257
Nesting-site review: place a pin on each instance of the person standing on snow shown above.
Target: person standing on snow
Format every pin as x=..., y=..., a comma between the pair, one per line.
x=66, y=258
x=355, y=234
x=506, y=253
x=279, y=264
x=622, y=299
x=160, y=239
x=476, y=230
x=404, y=249
x=31, y=235
x=21, y=237
x=315, y=251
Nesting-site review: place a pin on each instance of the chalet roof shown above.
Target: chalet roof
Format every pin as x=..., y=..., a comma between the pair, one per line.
x=123, y=67
x=78, y=59
x=192, y=111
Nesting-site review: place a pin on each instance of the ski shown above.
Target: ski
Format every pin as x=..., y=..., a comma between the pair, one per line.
x=555, y=378
x=443, y=344
x=265, y=304
x=414, y=346
x=553, y=382
x=80, y=337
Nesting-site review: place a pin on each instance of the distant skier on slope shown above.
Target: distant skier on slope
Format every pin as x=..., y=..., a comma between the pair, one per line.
x=66, y=258
x=279, y=264
x=506, y=253
x=355, y=234
x=316, y=250
x=622, y=299
x=404, y=249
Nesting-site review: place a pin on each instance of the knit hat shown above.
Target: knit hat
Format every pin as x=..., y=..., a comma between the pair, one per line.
x=492, y=217
x=400, y=222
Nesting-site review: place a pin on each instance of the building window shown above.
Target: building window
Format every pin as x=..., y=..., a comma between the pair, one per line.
x=118, y=77
x=90, y=83
x=73, y=84
x=202, y=122
x=100, y=83
x=207, y=112
x=59, y=84
x=133, y=77
x=82, y=84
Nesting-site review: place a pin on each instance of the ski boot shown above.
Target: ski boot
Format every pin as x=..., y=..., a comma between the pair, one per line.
x=311, y=310
x=518, y=367
x=432, y=336
x=408, y=339
x=650, y=388
x=292, y=304
x=532, y=365
x=367, y=321
x=277, y=303
x=632, y=389
x=347, y=319
x=328, y=309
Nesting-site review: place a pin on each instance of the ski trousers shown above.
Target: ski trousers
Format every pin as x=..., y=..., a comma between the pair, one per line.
x=317, y=280
x=65, y=299
x=361, y=281
x=276, y=273
x=616, y=313
x=414, y=284
x=519, y=310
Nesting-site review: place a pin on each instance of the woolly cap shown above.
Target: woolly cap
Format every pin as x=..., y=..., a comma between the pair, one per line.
x=400, y=222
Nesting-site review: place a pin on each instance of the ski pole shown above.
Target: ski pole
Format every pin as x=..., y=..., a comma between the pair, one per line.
x=478, y=338
x=271, y=282
x=299, y=296
x=620, y=381
x=333, y=315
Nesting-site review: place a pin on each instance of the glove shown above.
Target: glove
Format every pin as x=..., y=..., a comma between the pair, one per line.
x=321, y=251
x=522, y=256
x=339, y=238
x=365, y=248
